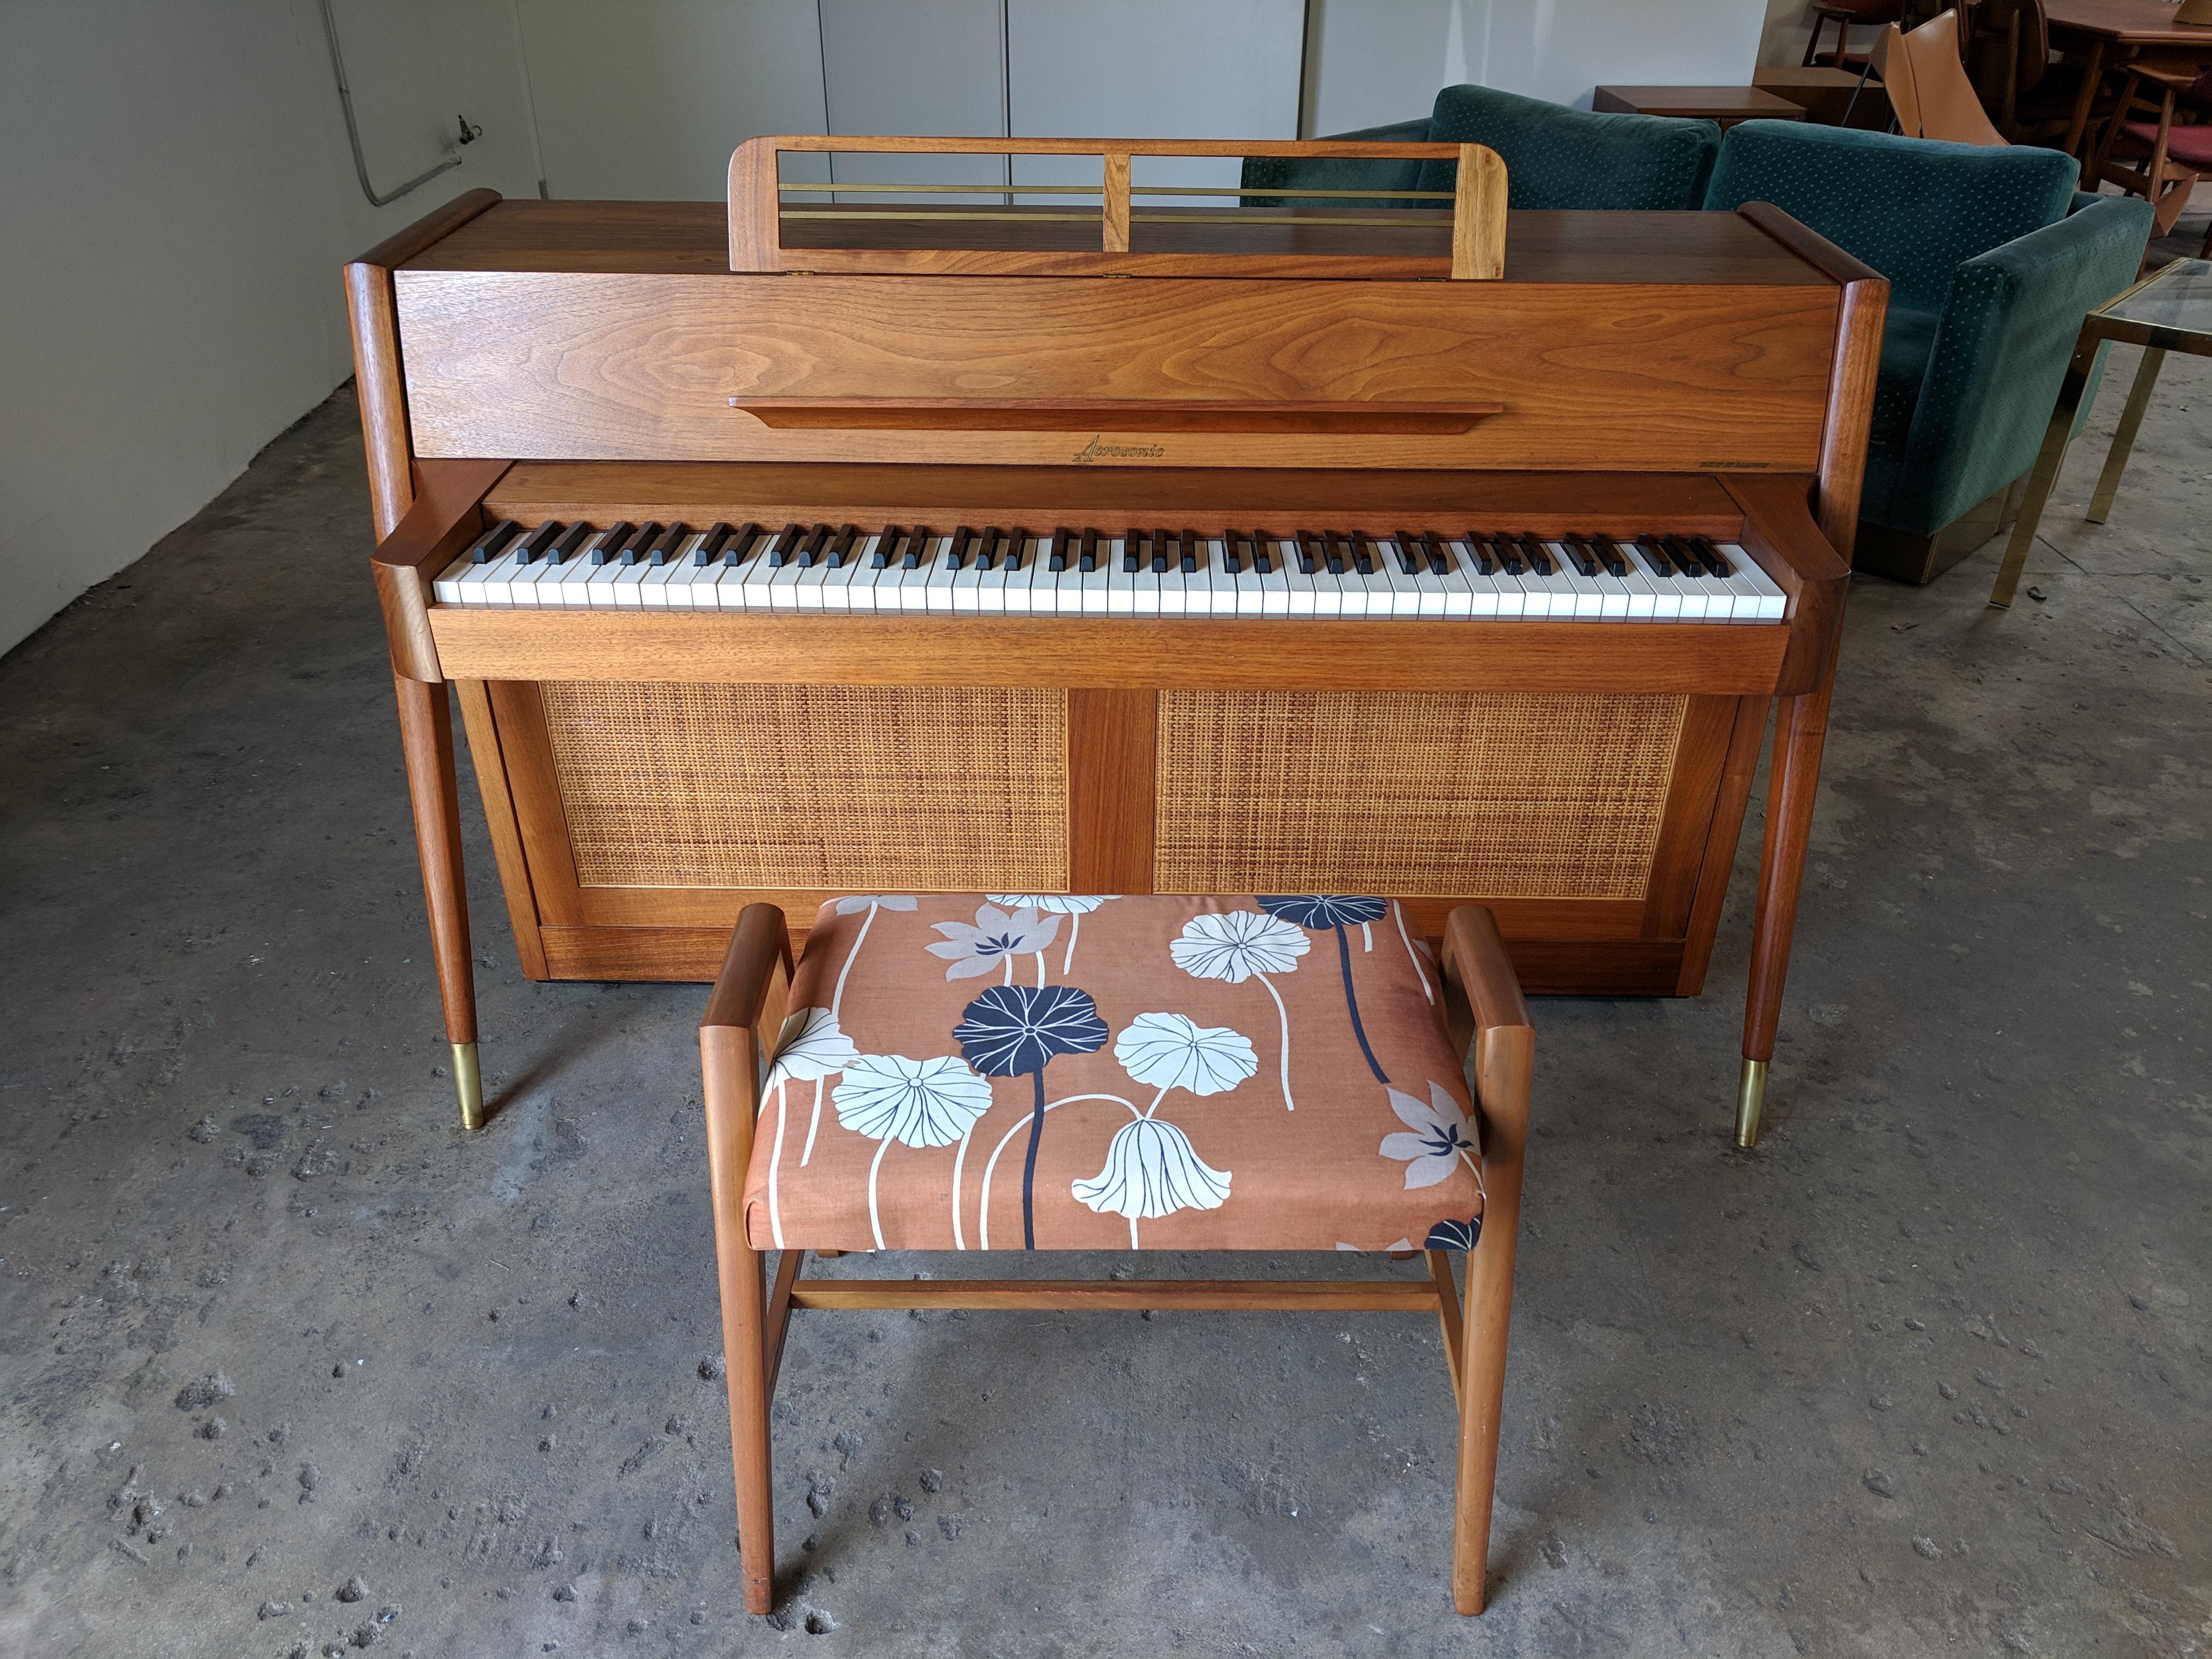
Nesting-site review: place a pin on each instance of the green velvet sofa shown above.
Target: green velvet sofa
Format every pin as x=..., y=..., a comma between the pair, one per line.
x=1993, y=258
x=1554, y=157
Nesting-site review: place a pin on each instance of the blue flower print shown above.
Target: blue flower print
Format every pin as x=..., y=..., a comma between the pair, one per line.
x=1454, y=1235
x=1325, y=911
x=1014, y=1029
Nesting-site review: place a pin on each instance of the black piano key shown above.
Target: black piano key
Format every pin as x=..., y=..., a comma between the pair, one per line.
x=1263, y=551
x=1312, y=551
x=1655, y=556
x=1056, y=557
x=1187, y=555
x=1579, y=554
x=1717, y=563
x=1616, y=562
x=1132, y=548
x=963, y=536
x=1235, y=544
x=810, y=548
x=1484, y=550
x=1362, y=553
x=1160, y=544
x=917, y=547
x=489, y=545
x=1688, y=558
x=735, y=549
x=1440, y=559
x=885, y=540
x=541, y=539
x=1018, y=543
x=1087, y=557
x=1533, y=548
x=1335, y=555
x=1410, y=552
x=841, y=546
x=986, y=547
x=784, y=545
x=612, y=540
x=564, y=550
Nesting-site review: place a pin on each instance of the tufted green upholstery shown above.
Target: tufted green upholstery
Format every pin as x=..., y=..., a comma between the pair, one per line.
x=1990, y=275
x=1555, y=157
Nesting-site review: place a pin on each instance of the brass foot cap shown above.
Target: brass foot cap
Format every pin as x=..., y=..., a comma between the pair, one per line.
x=468, y=1085
x=1750, y=1103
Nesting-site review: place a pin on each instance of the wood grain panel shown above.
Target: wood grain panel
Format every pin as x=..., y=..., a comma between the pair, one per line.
x=1112, y=739
x=583, y=366
x=1635, y=968
x=481, y=642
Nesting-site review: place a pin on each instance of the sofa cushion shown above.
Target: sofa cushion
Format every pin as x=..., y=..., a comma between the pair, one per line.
x=1556, y=157
x=1913, y=208
x=987, y=1071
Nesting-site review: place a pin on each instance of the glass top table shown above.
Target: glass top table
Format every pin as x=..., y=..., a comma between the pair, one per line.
x=2169, y=310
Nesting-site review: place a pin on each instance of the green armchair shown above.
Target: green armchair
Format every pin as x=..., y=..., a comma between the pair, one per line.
x=1992, y=259
x=1554, y=157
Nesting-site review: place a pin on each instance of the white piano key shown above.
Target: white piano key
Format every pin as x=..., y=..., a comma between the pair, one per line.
x=937, y=583
x=1275, y=581
x=1094, y=583
x=964, y=581
x=1637, y=585
x=1428, y=591
x=1768, y=602
x=1584, y=602
x=1666, y=591
x=1404, y=585
x=1120, y=585
x=700, y=583
x=1017, y=587
x=447, y=589
x=1250, y=595
x=1459, y=585
x=570, y=585
x=991, y=589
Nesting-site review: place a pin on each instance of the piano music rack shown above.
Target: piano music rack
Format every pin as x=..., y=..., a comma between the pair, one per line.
x=1129, y=241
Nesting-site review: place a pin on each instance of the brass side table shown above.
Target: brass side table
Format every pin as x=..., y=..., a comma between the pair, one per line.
x=2169, y=310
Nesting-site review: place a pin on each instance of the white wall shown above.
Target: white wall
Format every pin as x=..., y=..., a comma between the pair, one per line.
x=1378, y=61
x=178, y=197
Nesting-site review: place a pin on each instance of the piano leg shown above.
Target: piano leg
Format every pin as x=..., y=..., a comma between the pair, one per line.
x=426, y=732
x=1798, y=735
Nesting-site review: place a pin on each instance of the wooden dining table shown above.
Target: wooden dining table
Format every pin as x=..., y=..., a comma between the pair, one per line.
x=2106, y=34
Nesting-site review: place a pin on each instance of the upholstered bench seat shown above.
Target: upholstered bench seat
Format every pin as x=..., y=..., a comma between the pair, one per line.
x=1004, y=1071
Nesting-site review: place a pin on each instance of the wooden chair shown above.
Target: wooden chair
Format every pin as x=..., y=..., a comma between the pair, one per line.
x=1345, y=1120
x=1928, y=85
x=1844, y=15
x=2170, y=155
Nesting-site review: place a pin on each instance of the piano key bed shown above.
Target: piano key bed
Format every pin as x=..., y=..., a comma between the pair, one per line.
x=1487, y=576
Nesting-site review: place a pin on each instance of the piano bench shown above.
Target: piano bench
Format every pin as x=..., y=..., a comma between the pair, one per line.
x=1116, y=1073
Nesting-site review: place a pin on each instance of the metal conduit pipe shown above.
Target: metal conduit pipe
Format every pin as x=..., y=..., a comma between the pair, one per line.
x=353, y=129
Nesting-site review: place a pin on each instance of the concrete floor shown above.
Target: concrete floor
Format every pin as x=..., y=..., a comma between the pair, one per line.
x=292, y=1366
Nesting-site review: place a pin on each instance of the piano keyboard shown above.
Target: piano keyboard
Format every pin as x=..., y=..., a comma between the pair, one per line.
x=1485, y=575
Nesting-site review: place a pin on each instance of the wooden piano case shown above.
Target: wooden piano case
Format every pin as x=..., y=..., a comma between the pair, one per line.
x=645, y=776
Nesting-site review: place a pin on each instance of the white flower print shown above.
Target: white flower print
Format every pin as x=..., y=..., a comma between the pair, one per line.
x=916, y=1103
x=852, y=906
x=1235, y=945
x=1171, y=1051
x=1151, y=1170
x=1439, y=1139
x=810, y=1047
x=1075, y=906
x=997, y=937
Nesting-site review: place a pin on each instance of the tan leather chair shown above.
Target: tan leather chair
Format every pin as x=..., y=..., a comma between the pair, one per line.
x=1928, y=85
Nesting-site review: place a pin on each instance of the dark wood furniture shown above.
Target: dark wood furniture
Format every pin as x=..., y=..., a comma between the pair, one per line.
x=1685, y=374
x=1830, y=97
x=1844, y=14
x=1726, y=105
x=2106, y=35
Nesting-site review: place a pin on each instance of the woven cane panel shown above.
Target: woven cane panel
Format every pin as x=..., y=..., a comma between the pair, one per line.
x=878, y=789
x=1476, y=793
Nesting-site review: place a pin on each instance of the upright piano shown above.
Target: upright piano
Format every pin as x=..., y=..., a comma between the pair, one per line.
x=1113, y=538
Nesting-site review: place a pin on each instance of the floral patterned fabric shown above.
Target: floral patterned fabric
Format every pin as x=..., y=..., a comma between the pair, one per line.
x=1013, y=1070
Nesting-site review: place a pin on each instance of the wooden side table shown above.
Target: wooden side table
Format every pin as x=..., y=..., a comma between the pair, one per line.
x=1829, y=97
x=2169, y=310
x=1726, y=105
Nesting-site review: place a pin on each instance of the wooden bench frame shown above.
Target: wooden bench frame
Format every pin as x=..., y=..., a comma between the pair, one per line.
x=1489, y=1023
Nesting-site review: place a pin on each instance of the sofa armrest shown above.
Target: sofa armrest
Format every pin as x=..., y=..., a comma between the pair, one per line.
x=1337, y=171
x=2007, y=332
